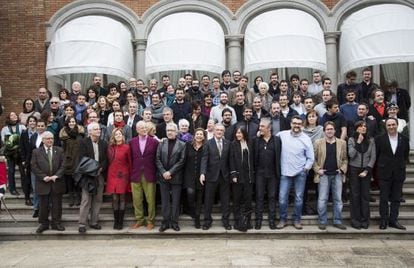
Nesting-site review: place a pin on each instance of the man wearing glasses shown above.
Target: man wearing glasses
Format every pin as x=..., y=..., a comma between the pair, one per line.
x=297, y=158
x=48, y=166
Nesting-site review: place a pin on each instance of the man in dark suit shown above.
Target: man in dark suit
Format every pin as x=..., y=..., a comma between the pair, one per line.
x=399, y=96
x=379, y=108
x=392, y=151
x=95, y=148
x=170, y=161
x=47, y=164
x=214, y=172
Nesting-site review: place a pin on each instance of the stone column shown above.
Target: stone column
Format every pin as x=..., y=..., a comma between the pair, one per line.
x=332, y=57
x=234, y=54
x=411, y=110
x=140, y=46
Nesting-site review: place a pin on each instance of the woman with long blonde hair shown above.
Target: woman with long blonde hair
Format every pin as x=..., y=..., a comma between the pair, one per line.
x=118, y=181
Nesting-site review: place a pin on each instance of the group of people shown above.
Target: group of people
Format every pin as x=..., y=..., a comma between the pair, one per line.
x=201, y=137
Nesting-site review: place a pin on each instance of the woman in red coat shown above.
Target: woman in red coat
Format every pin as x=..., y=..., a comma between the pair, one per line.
x=119, y=158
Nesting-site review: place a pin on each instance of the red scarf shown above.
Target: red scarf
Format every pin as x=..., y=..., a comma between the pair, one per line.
x=119, y=124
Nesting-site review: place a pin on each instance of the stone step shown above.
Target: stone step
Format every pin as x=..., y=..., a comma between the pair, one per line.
x=405, y=218
x=215, y=232
x=21, y=208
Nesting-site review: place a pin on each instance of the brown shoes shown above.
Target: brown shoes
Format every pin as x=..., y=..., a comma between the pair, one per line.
x=136, y=225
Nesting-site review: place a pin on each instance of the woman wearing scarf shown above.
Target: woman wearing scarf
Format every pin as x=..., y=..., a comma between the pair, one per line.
x=70, y=135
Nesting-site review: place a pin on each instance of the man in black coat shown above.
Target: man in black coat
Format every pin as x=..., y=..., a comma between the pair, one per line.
x=267, y=166
x=214, y=172
x=170, y=161
x=248, y=123
x=392, y=151
x=95, y=148
x=399, y=96
x=47, y=165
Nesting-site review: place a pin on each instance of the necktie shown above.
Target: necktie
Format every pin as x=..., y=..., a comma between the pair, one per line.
x=220, y=147
x=49, y=156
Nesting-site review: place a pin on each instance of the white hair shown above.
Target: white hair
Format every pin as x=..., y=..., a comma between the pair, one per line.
x=183, y=122
x=46, y=134
x=92, y=125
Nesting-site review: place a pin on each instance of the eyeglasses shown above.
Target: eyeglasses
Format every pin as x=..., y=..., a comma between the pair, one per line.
x=144, y=92
x=54, y=102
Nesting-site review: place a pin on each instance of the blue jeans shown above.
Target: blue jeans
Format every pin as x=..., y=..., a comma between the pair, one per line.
x=35, y=196
x=299, y=181
x=330, y=183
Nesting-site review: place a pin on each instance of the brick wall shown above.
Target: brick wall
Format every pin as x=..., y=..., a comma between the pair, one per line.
x=22, y=47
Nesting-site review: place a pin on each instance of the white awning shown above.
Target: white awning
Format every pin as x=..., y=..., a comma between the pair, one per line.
x=377, y=35
x=185, y=41
x=91, y=44
x=284, y=38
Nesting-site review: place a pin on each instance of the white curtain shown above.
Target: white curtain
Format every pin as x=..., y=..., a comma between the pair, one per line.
x=396, y=71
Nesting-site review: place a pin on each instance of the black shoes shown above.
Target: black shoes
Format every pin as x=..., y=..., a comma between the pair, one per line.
x=227, y=226
x=96, y=227
x=28, y=202
x=14, y=192
x=397, y=225
x=42, y=228
x=164, y=227
x=383, y=225
x=340, y=226
x=272, y=225
x=206, y=227
x=258, y=225
x=36, y=213
x=197, y=223
x=175, y=227
x=58, y=227
x=82, y=230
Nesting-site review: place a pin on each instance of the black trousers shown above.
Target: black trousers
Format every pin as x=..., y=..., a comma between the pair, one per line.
x=194, y=201
x=44, y=205
x=210, y=190
x=26, y=182
x=359, y=197
x=170, y=202
x=390, y=191
x=271, y=186
x=242, y=200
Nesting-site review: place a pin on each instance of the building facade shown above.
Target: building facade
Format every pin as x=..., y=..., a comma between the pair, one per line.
x=30, y=30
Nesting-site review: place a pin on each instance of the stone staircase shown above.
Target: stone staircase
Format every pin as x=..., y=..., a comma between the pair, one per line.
x=25, y=228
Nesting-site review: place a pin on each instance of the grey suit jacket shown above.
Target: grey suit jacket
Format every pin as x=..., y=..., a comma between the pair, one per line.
x=40, y=167
x=174, y=164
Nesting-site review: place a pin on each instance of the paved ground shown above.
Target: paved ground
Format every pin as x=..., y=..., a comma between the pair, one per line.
x=207, y=252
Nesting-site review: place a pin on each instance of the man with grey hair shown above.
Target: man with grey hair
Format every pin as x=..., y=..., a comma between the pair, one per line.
x=55, y=107
x=266, y=157
x=168, y=116
x=94, y=148
x=170, y=162
x=76, y=90
x=48, y=166
x=214, y=173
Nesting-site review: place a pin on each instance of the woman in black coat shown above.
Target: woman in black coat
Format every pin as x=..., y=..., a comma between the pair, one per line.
x=242, y=177
x=194, y=189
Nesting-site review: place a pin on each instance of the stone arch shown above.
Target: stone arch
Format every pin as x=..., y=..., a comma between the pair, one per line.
x=82, y=8
x=344, y=8
x=252, y=9
x=214, y=9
